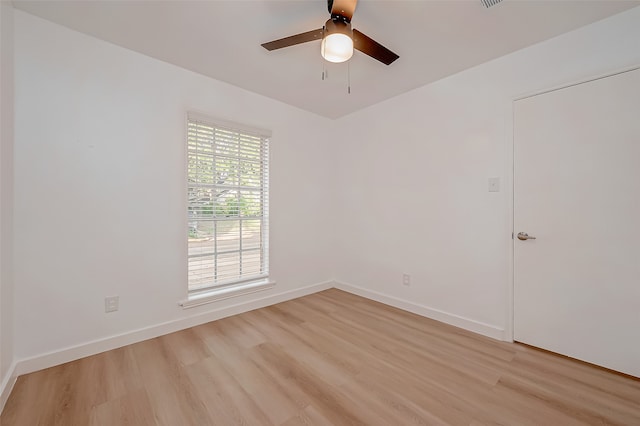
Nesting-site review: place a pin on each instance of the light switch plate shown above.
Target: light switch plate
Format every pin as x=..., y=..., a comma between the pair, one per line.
x=111, y=304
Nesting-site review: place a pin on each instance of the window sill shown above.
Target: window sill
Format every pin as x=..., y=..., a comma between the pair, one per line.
x=225, y=293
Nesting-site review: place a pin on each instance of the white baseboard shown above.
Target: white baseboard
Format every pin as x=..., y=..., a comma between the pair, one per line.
x=73, y=353
x=425, y=311
x=6, y=385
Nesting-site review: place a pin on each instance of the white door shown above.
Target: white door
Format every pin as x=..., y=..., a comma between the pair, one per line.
x=577, y=191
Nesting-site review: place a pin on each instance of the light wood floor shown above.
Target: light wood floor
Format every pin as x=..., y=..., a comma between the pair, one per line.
x=328, y=358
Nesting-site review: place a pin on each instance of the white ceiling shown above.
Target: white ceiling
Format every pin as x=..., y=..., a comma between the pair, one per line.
x=221, y=39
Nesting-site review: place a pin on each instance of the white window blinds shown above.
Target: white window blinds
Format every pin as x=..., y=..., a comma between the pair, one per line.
x=227, y=186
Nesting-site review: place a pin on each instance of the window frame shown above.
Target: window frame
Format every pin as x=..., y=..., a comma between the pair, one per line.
x=232, y=287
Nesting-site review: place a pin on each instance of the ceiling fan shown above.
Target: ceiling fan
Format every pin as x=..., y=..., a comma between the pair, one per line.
x=338, y=38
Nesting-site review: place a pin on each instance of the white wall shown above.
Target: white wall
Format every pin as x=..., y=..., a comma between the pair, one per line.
x=414, y=195
x=6, y=196
x=99, y=193
x=100, y=187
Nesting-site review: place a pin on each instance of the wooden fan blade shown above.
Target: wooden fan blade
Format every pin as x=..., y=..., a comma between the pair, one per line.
x=293, y=40
x=344, y=8
x=372, y=48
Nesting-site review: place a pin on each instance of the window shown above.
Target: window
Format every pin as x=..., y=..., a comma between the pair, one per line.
x=227, y=187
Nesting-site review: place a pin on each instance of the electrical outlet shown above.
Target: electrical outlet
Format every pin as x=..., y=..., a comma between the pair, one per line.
x=111, y=304
x=406, y=279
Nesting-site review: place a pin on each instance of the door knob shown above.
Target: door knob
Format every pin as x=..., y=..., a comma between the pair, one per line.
x=524, y=236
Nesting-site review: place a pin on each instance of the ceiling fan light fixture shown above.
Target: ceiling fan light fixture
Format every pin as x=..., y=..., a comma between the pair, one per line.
x=337, y=43
x=337, y=48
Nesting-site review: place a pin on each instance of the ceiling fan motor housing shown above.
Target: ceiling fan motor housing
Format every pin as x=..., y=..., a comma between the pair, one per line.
x=333, y=26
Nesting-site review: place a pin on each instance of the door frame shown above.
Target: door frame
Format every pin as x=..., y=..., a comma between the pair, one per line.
x=510, y=186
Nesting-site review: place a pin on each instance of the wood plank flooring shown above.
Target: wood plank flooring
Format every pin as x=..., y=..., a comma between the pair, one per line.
x=328, y=358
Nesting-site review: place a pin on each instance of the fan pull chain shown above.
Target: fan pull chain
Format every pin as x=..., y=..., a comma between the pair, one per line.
x=349, y=77
x=325, y=74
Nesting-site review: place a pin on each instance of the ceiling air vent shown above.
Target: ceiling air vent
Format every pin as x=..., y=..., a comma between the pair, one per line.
x=489, y=3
